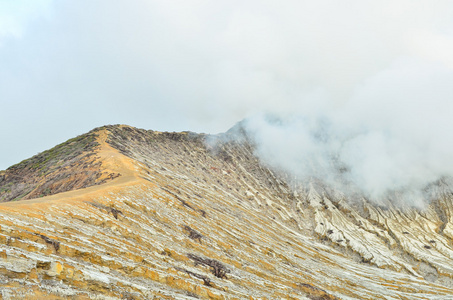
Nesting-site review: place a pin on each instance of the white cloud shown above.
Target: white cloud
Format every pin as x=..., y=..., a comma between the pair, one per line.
x=16, y=15
x=376, y=74
x=393, y=134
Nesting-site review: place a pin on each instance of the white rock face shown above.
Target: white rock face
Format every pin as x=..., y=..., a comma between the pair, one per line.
x=183, y=222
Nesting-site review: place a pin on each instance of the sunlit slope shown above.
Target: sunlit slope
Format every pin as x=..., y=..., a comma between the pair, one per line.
x=72, y=165
x=189, y=218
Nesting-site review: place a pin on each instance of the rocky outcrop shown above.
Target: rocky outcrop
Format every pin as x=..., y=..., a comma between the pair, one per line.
x=192, y=218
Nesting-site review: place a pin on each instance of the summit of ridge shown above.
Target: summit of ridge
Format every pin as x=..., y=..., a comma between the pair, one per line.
x=74, y=164
x=67, y=166
x=128, y=213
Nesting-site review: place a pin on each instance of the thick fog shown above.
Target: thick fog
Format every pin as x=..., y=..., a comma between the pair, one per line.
x=363, y=87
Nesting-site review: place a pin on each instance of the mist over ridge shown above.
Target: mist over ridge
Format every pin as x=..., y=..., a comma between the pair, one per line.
x=392, y=135
x=336, y=184
x=364, y=66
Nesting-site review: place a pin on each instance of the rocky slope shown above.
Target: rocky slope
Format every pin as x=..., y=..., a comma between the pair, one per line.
x=187, y=216
x=68, y=166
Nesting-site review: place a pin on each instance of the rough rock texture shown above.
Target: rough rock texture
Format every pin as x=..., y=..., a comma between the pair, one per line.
x=191, y=219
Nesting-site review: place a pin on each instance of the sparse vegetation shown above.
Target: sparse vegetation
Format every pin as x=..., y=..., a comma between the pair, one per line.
x=315, y=293
x=193, y=234
x=206, y=280
x=217, y=268
x=46, y=161
x=115, y=212
x=70, y=165
x=54, y=243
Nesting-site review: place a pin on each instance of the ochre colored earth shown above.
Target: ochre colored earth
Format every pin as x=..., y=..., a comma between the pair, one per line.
x=155, y=215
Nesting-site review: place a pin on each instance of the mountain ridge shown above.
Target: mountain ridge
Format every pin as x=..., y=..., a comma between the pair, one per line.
x=199, y=216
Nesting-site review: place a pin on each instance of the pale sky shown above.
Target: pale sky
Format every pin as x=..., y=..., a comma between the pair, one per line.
x=67, y=67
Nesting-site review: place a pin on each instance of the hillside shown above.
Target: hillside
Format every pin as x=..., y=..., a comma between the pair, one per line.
x=126, y=213
x=71, y=165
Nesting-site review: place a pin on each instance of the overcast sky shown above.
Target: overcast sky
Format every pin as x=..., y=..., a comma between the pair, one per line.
x=69, y=66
